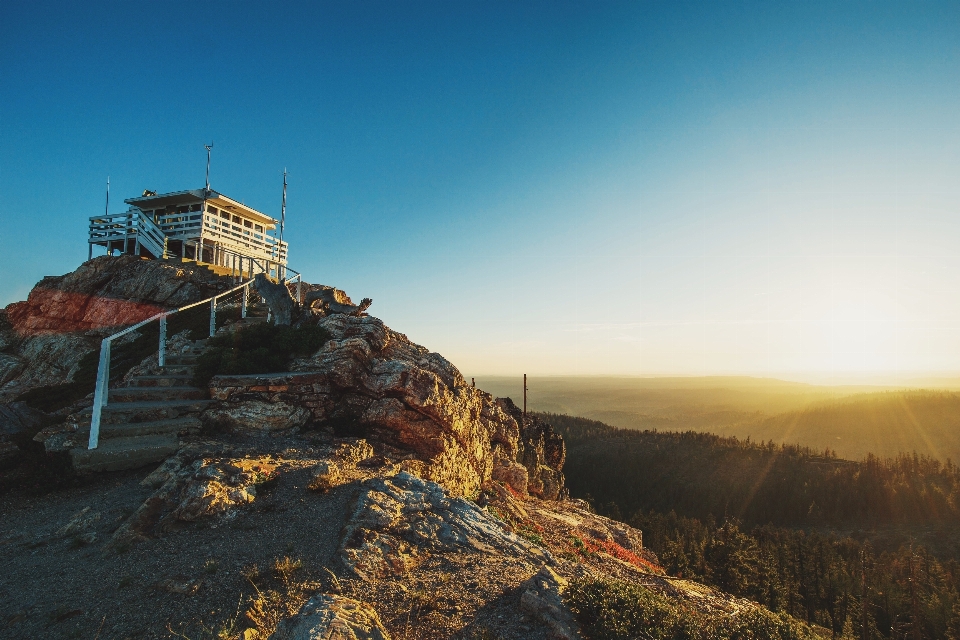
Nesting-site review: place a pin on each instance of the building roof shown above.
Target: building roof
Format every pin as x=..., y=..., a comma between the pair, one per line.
x=218, y=200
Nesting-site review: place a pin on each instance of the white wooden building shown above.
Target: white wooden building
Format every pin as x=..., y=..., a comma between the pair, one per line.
x=201, y=225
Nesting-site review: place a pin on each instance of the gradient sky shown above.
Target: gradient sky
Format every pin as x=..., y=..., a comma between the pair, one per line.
x=550, y=188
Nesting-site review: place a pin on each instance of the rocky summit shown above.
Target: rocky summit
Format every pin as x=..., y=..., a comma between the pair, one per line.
x=359, y=488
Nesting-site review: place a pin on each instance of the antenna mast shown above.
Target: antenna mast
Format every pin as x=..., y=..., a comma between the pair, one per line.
x=106, y=209
x=209, y=148
x=283, y=205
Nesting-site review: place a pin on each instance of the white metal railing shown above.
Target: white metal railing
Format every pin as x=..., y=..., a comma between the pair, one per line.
x=186, y=226
x=241, y=264
x=102, y=390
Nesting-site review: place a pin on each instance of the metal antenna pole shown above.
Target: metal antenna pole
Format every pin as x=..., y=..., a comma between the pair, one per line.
x=106, y=212
x=524, y=395
x=283, y=218
x=283, y=205
x=209, y=148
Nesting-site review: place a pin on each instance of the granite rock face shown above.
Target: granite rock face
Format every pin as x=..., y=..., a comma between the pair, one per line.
x=371, y=381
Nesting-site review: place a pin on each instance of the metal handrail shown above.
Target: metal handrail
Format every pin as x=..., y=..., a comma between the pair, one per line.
x=102, y=389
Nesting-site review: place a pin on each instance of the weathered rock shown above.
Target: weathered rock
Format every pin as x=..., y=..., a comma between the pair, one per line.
x=332, y=617
x=108, y=292
x=194, y=487
x=542, y=453
x=277, y=298
x=329, y=300
x=335, y=471
x=258, y=417
x=10, y=366
x=17, y=418
x=371, y=380
x=79, y=524
x=397, y=520
x=541, y=598
x=45, y=337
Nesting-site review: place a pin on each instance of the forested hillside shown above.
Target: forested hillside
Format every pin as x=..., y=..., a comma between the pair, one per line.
x=701, y=475
x=853, y=421
x=765, y=521
x=883, y=424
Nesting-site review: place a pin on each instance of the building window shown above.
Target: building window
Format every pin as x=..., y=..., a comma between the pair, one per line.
x=224, y=215
x=248, y=224
x=236, y=219
x=212, y=210
x=195, y=207
x=182, y=209
x=257, y=227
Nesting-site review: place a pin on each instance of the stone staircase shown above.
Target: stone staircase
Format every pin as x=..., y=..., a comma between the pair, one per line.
x=142, y=421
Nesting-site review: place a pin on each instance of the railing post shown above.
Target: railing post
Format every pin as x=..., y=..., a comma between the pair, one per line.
x=213, y=316
x=162, y=350
x=299, y=289
x=100, y=393
x=243, y=306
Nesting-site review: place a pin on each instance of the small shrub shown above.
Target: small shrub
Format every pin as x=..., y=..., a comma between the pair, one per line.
x=260, y=348
x=267, y=607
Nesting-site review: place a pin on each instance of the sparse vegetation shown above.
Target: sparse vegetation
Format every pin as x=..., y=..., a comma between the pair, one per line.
x=271, y=604
x=260, y=348
x=614, y=610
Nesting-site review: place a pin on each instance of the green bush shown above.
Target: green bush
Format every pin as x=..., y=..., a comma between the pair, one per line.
x=615, y=610
x=260, y=348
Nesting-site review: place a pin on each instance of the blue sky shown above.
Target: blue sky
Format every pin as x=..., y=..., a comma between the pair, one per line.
x=550, y=188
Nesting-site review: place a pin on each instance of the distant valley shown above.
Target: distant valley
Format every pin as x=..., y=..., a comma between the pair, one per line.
x=849, y=420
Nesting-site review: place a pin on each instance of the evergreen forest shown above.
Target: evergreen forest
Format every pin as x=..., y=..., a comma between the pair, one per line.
x=866, y=549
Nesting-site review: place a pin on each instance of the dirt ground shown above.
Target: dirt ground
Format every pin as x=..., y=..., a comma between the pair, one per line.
x=200, y=579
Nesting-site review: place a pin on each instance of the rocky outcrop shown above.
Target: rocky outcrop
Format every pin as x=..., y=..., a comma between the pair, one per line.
x=371, y=381
x=109, y=292
x=277, y=298
x=327, y=300
x=332, y=617
x=543, y=453
x=398, y=521
x=200, y=481
x=44, y=338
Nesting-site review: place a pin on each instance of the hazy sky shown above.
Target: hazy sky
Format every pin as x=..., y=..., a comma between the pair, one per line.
x=550, y=188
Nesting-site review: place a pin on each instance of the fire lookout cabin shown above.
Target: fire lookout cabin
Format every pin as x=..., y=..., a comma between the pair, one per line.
x=200, y=225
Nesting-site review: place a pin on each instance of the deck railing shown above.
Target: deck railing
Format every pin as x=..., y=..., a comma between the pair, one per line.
x=102, y=390
x=186, y=227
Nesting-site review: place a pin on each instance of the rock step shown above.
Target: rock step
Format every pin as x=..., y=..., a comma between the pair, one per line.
x=181, y=358
x=177, y=379
x=174, y=426
x=177, y=369
x=149, y=411
x=124, y=453
x=141, y=394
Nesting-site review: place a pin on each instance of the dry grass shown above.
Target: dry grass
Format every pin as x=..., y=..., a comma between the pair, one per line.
x=268, y=606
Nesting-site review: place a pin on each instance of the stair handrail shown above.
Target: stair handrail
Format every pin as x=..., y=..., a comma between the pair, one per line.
x=101, y=392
